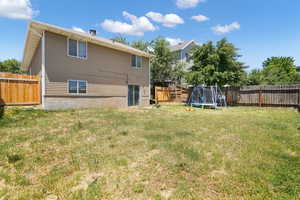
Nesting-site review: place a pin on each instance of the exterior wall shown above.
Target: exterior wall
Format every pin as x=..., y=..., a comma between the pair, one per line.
x=36, y=62
x=184, y=58
x=107, y=71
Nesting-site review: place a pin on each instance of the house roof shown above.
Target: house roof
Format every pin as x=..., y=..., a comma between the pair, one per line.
x=181, y=46
x=36, y=29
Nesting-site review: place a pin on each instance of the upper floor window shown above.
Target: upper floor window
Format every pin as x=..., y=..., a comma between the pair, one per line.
x=77, y=48
x=77, y=87
x=136, y=61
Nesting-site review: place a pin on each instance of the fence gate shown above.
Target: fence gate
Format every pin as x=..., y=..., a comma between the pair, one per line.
x=19, y=89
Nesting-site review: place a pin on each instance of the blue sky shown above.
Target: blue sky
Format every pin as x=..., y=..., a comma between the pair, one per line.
x=260, y=29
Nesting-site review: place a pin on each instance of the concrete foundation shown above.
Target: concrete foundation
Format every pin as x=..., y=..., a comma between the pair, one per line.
x=58, y=103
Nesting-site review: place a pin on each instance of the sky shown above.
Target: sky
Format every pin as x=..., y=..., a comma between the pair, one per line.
x=260, y=29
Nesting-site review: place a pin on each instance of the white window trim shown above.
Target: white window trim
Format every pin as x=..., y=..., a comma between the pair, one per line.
x=136, y=62
x=77, y=93
x=86, y=49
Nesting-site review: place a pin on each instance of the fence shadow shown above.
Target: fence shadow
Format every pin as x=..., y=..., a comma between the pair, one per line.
x=1, y=108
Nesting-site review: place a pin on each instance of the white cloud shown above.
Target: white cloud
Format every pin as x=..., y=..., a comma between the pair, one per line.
x=200, y=18
x=138, y=26
x=226, y=28
x=17, y=9
x=184, y=4
x=168, y=20
x=174, y=41
x=75, y=28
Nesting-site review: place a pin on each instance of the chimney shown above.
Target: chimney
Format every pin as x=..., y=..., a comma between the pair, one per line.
x=93, y=32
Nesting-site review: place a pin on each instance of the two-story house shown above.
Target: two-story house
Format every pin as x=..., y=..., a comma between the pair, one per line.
x=182, y=51
x=84, y=70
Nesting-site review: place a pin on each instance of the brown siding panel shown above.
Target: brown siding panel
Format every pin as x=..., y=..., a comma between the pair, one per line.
x=107, y=71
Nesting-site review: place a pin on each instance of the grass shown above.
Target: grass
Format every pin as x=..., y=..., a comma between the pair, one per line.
x=140, y=153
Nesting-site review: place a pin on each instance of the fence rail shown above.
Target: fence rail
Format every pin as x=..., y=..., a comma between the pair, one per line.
x=171, y=94
x=19, y=89
x=284, y=96
x=281, y=96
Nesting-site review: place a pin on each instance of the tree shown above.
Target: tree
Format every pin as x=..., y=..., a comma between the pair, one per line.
x=120, y=39
x=178, y=72
x=216, y=64
x=279, y=71
x=163, y=65
x=255, y=77
x=141, y=45
x=11, y=65
x=161, y=62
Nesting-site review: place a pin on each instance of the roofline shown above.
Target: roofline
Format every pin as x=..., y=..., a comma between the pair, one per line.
x=187, y=44
x=32, y=25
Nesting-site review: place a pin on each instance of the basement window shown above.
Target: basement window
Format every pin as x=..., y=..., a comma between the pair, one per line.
x=136, y=61
x=77, y=48
x=77, y=87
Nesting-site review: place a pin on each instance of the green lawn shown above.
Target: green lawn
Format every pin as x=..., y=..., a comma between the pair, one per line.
x=142, y=153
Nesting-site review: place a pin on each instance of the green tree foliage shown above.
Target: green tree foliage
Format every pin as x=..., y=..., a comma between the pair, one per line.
x=163, y=63
x=298, y=75
x=279, y=71
x=10, y=65
x=141, y=45
x=120, y=39
x=178, y=73
x=216, y=64
x=255, y=77
x=275, y=71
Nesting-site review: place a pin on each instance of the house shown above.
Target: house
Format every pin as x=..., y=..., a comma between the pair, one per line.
x=83, y=70
x=182, y=51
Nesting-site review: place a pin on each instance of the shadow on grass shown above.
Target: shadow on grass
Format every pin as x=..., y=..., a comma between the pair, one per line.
x=18, y=115
x=1, y=111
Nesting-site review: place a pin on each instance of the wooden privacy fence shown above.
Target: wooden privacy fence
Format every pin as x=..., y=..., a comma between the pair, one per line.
x=284, y=96
x=277, y=95
x=19, y=89
x=171, y=94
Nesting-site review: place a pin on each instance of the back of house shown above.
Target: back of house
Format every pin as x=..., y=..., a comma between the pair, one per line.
x=83, y=70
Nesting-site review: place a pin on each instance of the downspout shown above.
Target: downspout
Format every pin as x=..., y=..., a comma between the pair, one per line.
x=43, y=78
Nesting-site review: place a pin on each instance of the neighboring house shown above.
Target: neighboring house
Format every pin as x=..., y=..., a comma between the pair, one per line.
x=182, y=51
x=83, y=70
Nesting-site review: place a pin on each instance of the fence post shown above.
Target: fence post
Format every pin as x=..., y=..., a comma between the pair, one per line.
x=259, y=97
